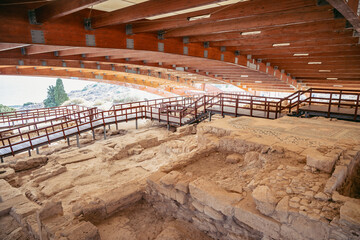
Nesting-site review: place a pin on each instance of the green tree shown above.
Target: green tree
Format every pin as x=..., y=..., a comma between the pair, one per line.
x=60, y=94
x=4, y=108
x=56, y=95
x=50, y=100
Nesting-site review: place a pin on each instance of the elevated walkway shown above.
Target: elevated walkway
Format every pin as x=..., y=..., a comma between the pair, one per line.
x=176, y=111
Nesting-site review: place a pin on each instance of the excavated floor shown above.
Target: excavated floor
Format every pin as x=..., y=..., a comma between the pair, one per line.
x=236, y=178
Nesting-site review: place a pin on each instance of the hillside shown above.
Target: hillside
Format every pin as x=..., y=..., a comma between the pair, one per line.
x=100, y=95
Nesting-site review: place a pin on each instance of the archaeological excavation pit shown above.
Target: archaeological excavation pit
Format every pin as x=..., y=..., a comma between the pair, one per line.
x=231, y=178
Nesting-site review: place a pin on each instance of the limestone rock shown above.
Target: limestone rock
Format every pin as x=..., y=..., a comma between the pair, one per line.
x=81, y=231
x=246, y=213
x=251, y=157
x=213, y=196
x=264, y=200
x=320, y=161
x=50, y=209
x=282, y=210
x=171, y=178
x=233, y=158
x=336, y=179
x=213, y=214
x=29, y=163
x=322, y=196
x=7, y=173
x=350, y=214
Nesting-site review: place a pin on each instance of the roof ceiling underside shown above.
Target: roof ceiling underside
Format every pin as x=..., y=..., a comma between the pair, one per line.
x=252, y=44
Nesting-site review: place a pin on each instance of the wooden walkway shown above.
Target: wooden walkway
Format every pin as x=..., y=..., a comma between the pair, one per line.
x=335, y=112
x=41, y=140
x=231, y=111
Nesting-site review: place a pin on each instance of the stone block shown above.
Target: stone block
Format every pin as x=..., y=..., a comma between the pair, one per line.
x=306, y=227
x=6, y=206
x=20, y=211
x=282, y=210
x=198, y=206
x=76, y=159
x=121, y=197
x=180, y=197
x=287, y=233
x=171, y=178
x=212, y=195
x=213, y=214
x=350, y=214
x=246, y=212
x=94, y=211
x=81, y=231
x=29, y=163
x=183, y=184
x=319, y=161
x=50, y=209
x=8, y=193
x=233, y=158
x=264, y=200
x=336, y=180
x=238, y=145
x=7, y=173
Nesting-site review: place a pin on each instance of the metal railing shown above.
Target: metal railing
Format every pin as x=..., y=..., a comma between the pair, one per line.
x=177, y=111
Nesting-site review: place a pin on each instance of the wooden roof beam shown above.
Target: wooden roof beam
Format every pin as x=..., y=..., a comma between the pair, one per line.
x=61, y=8
x=349, y=10
x=302, y=37
x=37, y=49
x=303, y=15
x=237, y=11
x=283, y=31
x=144, y=10
x=10, y=46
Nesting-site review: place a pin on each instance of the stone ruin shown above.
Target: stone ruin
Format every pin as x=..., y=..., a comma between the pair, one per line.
x=232, y=178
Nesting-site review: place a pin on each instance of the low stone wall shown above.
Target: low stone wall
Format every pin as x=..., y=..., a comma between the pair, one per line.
x=226, y=215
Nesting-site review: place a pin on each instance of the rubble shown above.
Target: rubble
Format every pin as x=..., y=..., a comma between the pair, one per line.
x=229, y=179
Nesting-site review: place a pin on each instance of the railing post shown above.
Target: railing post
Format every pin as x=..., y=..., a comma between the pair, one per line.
x=310, y=98
x=251, y=106
x=329, y=109
x=268, y=110
x=222, y=105
x=276, y=110
x=195, y=109
x=279, y=109
x=357, y=106
x=12, y=151
x=77, y=141
x=298, y=104
x=236, y=105
x=340, y=95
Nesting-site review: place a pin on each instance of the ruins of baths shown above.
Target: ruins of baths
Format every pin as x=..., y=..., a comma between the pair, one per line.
x=276, y=158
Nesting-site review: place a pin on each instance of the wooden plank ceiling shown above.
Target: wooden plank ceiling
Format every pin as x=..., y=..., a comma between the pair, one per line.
x=257, y=45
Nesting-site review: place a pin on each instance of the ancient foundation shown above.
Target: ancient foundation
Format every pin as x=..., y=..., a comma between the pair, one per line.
x=233, y=178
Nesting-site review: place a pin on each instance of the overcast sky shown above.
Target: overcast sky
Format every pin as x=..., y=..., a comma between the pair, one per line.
x=17, y=90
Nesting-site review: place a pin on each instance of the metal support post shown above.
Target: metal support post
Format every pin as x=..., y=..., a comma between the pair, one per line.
x=37, y=150
x=104, y=132
x=29, y=152
x=136, y=123
x=77, y=140
x=209, y=116
x=168, y=127
x=93, y=133
x=2, y=160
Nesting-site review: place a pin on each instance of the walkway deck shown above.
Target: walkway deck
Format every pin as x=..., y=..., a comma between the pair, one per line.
x=335, y=112
x=31, y=143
